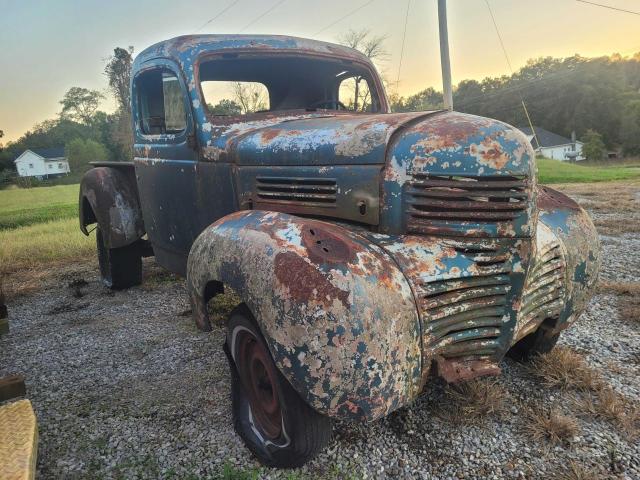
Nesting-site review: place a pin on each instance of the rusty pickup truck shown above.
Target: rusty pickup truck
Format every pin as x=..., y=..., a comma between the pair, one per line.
x=372, y=251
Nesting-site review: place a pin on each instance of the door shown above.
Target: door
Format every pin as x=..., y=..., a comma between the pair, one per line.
x=165, y=159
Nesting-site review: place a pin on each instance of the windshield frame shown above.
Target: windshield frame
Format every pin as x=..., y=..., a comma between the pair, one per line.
x=232, y=119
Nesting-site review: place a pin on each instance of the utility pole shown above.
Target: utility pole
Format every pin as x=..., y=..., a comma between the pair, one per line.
x=445, y=62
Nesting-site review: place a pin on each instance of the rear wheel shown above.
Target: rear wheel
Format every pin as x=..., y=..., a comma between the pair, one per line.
x=536, y=343
x=119, y=267
x=269, y=415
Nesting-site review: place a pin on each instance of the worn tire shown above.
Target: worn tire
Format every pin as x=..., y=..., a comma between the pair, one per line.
x=304, y=432
x=536, y=343
x=120, y=268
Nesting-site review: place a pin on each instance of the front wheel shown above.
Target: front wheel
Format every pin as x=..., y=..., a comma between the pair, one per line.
x=120, y=268
x=274, y=422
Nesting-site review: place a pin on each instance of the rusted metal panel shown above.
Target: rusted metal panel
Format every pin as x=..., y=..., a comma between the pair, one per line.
x=455, y=174
x=580, y=244
x=112, y=197
x=336, y=311
x=468, y=295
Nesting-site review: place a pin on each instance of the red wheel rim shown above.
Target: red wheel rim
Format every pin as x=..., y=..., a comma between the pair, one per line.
x=259, y=378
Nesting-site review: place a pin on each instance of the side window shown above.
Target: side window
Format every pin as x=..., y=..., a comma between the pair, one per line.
x=354, y=93
x=160, y=103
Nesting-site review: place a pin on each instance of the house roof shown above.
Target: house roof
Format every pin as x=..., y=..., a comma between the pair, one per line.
x=545, y=137
x=46, y=153
x=55, y=152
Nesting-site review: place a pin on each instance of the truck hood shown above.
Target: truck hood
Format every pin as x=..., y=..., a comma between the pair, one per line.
x=316, y=139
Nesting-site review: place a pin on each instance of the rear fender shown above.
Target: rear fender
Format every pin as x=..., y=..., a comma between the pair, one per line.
x=109, y=197
x=337, y=313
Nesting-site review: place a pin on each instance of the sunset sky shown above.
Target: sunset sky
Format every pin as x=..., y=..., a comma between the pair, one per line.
x=49, y=46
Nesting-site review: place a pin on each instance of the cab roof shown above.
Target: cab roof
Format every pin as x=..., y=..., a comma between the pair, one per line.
x=185, y=47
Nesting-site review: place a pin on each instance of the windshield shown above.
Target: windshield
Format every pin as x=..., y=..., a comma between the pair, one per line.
x=239, y=85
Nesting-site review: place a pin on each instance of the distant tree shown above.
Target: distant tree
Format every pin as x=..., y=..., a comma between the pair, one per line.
x=1, y=135
x=427, y=99
x=249, y=96
x=594, y=147
x=225, y=107
x=370, y=45
x=118, y=72
x=80, y=104
x=80, y=152
x=630, y=134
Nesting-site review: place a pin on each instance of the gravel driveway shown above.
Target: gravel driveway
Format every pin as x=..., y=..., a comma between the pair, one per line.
x=125, y=386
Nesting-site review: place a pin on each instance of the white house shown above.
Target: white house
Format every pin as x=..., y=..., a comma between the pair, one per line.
x=42, y=163
x=554, y=146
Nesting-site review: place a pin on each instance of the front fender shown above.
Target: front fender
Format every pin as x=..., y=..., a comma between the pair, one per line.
x=337, y=313
x=109, y=197
x=571, y=224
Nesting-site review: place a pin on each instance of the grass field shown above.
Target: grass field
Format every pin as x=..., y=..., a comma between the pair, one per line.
x=25, y=247
x=40, y=225
x=553, y=171
x=21, y=207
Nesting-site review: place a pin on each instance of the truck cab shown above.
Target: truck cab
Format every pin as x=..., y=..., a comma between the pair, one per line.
x=371, y=250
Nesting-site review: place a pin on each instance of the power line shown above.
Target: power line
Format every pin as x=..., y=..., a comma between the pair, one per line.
x=609, y=7
x=218, y=15
x=355, y=10
x=262, y=15
x=404, y=36
x=506, y=56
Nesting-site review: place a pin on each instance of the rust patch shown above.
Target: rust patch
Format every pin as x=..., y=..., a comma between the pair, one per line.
x=453, y=371
x=550, y=199
x=305, y=282
x=267, y=135
x=324, y=246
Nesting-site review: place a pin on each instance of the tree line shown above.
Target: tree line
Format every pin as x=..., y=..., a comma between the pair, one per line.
x=87, y=133
x=598, y=98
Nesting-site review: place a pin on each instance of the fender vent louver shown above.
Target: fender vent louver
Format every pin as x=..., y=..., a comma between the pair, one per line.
x=436, y=202
x=295, y=190
x=466, y=316
x=544, y=290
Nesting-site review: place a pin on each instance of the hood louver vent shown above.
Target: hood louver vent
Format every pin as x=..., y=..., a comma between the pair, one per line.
x=440, y=203
x=307, y=191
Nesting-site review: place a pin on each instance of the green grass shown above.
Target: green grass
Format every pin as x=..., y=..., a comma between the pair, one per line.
x=553, y=171
x=21, y=207
x=33, y=245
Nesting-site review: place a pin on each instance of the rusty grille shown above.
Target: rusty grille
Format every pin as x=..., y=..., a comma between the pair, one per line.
x=544, y=289
x=308, y=191
x=466, y=316
x=435, y=201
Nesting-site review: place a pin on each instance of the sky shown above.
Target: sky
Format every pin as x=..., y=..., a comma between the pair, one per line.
x=48, y=46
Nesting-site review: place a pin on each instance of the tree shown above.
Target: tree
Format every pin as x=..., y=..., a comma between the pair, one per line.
x=225, y=107
x=373, y=48
x=80, y=152
x=630, y=134
x=594, y=147
x=250, y=96
x=118, y=72
x=363, y=41
x=80, y=104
